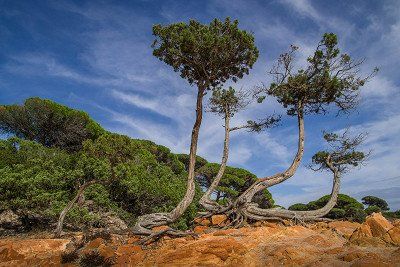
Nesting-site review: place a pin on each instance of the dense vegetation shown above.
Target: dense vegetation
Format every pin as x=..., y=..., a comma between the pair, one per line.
x=133, y=177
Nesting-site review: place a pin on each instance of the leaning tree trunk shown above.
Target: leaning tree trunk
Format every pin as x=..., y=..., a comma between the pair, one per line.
x=266, y=182
x=253, y=212
x=64, y=212
x=146, y=222
x=206, y=201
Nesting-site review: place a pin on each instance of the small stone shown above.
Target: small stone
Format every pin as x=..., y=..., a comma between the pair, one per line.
x=218, y=219
x=200, y=229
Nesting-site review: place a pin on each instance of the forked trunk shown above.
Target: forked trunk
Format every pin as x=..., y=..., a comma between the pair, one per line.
x=146, y=222
x=266, y=182
x=64, y=212
x=206, y=200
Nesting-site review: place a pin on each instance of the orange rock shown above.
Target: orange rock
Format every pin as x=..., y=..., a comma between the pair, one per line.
x=270, y=224
x=200, y=229
x=224, y=232
x=95, y=243
x=394, y=235
x=378, y=224
x=160, y=228
x=361, y=232
x=218, y=219
x=257, y=224
x=106, y=251
x=356, y=254
x=133, y=240
x=396, y=222
x=345, y=228
x=202, y=221
x=370, y=262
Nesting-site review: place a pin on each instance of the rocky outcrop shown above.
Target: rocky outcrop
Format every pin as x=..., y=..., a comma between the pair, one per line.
x=264, y=244
x=378, y=224
x=112, y=223
x=9, y=221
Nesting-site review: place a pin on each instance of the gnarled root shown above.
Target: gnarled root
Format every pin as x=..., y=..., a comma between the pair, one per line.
x=146, y=222
x=213, y=208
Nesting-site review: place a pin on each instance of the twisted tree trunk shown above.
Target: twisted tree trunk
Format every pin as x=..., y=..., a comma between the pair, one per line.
x=64, y=212
x=146, y=222
x=253, y=212
x=266, y=182
x=206, y=201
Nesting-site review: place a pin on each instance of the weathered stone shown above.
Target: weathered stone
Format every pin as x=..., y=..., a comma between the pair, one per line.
x=202, y=221
x=9, y=220
x=200, y=229
x=113, y=223
x=218, y=219
x=345, y=228
x=361, y=232
x=394, y=235
x=378, y=224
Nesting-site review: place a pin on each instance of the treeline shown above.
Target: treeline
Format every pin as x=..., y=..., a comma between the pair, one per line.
x=349, y=208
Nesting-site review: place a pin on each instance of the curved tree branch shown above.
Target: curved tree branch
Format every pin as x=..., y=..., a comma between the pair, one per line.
x=58, y=231
x=206, y=200
x=253, y=212
x=265, y=182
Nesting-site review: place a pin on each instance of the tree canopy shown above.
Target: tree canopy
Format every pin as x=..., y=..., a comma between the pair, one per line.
x=375, y=201
x=48, y=123
x=206, y=55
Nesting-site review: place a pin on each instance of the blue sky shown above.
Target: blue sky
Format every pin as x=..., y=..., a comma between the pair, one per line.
x=96, y=56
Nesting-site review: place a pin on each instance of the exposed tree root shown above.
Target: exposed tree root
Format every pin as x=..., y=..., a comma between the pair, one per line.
x=146, y=222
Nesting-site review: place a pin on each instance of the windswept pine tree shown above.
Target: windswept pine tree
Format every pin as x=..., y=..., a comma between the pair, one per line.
x=206, y=56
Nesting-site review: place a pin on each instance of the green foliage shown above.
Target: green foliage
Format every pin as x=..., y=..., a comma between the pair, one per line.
x=136, y=177
x=226, y=101
x=371, y=209
x=298, y=206
x=330, y=78
x=206, y=55
x=184, y=158
x=392, y=214
x=375, y=201
x=354, y=213
x=346, y=208
x=48, y=123
x=336, y=213
x=234, y=182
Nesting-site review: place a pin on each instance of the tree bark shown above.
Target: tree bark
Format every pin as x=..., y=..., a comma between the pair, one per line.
x=64, y=212
x=206, y=200
x=253, y=212
x=146, y=222
x=263, y=183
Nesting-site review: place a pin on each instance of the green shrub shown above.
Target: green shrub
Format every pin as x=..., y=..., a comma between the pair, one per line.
x=375, y=201
x=346, y=208
x=336, y=213
x=298, y=206
x=372, y=209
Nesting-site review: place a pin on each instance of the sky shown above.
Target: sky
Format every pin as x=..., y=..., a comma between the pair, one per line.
x=96, y=56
